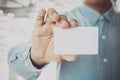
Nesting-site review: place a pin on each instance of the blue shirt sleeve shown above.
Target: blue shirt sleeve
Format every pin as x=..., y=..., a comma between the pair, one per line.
x=19, y=62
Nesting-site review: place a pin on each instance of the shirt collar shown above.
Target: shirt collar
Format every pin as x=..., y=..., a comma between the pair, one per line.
x=93, y=16
x=109, y=14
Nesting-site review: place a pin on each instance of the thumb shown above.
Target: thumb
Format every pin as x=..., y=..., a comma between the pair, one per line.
x=69, y=57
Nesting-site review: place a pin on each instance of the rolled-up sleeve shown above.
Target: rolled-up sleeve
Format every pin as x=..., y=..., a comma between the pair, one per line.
x=19, y=61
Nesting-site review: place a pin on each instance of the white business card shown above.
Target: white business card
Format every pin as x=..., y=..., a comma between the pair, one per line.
x=80, y=40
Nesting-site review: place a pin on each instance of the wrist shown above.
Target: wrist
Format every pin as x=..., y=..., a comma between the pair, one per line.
x=39, y=60
x=38, y=66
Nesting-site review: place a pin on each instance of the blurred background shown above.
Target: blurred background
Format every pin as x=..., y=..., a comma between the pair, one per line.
x=17, y=18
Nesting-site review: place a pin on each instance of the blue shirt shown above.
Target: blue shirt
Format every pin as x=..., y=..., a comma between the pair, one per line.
x=104, y=66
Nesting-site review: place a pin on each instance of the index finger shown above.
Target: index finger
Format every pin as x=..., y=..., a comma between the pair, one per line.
x=40, y=17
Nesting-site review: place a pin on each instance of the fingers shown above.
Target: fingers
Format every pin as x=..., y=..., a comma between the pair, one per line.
x=63, y=22
x=73, y=23
x=58, y=58
x=69, y=57
x=63, y=18
x=52, y=16
x=40, y=17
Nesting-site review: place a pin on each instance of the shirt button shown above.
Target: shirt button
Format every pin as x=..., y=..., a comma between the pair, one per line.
x=105, y=60
x=14, y=58
x=101, y=18
x=103, y=37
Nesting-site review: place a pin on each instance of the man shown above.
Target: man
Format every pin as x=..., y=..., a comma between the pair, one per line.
x=104, y=66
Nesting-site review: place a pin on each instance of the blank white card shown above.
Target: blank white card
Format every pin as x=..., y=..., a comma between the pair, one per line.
x=80, y=40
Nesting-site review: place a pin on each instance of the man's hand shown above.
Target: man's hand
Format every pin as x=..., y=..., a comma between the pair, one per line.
x=42, y=49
